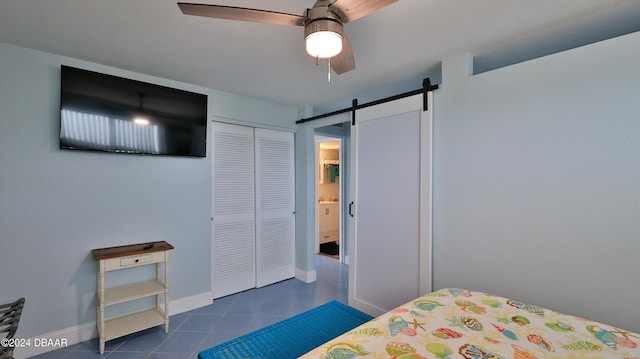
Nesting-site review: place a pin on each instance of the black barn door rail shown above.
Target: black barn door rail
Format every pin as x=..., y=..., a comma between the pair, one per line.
x=426, y=87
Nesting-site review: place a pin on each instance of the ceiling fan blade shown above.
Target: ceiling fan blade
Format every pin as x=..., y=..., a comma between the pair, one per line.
x=242, y=14
x=344, y=61
x=350, y=10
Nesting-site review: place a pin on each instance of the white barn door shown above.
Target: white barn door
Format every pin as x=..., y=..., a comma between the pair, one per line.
x=233, y=205
x=275, y=206
x=390, y=261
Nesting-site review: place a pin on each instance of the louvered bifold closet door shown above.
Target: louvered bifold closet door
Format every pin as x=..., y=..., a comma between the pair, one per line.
x=233, y=206
x=275, y=200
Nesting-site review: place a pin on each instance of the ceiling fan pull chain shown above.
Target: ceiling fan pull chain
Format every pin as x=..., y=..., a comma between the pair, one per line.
x=318, y=54
x=329, y=69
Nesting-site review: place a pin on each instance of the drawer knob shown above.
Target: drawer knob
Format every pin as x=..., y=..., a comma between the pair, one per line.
x=137, y=260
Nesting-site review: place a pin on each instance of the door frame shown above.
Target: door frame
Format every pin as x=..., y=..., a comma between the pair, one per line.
x=306, y=201
x=341, y=220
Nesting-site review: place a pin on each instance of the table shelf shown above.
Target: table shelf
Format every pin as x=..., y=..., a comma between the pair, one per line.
x=117, y=327
x=133, y=291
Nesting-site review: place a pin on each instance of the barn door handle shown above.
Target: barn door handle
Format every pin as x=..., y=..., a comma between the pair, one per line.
x=351, y=209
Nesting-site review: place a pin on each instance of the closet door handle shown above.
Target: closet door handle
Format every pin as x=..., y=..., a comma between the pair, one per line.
x=351, y=208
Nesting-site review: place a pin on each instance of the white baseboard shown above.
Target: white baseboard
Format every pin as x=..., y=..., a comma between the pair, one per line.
x=190, y=303
x=366, y=307
x=306, y=276
x=70, y=336
x=60, y=338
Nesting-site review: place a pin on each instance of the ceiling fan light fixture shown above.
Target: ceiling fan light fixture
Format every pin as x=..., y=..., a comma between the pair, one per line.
x=323, y=38
x=324, y=44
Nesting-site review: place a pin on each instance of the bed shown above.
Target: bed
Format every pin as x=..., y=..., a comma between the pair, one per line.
x=458, y=323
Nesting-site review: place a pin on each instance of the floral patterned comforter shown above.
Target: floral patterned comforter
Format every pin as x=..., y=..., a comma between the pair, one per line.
x=458, y=323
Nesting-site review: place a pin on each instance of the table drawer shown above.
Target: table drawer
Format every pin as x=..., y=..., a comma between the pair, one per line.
x=132, y=261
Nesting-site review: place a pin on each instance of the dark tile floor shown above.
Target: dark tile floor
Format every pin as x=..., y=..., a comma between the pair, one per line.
x=225, y=319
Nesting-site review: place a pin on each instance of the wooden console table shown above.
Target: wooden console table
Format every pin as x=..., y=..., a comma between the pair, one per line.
x=123, y=257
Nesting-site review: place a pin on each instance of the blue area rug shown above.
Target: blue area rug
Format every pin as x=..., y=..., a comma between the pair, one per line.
x=291, y=337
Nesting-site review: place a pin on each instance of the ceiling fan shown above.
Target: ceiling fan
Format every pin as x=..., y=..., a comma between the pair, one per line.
x=324, y=36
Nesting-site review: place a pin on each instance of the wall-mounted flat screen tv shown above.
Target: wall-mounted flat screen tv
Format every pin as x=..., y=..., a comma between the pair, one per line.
x=100, y=112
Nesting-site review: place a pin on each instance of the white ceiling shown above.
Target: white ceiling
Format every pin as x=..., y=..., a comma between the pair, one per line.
x=395, y=48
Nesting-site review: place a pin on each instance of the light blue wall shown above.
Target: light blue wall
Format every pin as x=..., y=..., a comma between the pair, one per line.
x=305, y=204
x=241, y=110
x=55, y=206
x=537, y=181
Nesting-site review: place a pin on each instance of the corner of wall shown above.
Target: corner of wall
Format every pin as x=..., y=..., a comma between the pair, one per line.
x=304, y=112
x=457, y=68
x=306, y=276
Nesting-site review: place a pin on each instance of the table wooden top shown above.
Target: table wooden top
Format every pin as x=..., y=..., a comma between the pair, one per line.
x=130, y=250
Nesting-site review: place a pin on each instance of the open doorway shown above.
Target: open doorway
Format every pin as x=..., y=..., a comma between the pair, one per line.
x=329, y=184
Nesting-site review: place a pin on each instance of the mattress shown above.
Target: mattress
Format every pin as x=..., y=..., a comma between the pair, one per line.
x=458, y=323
